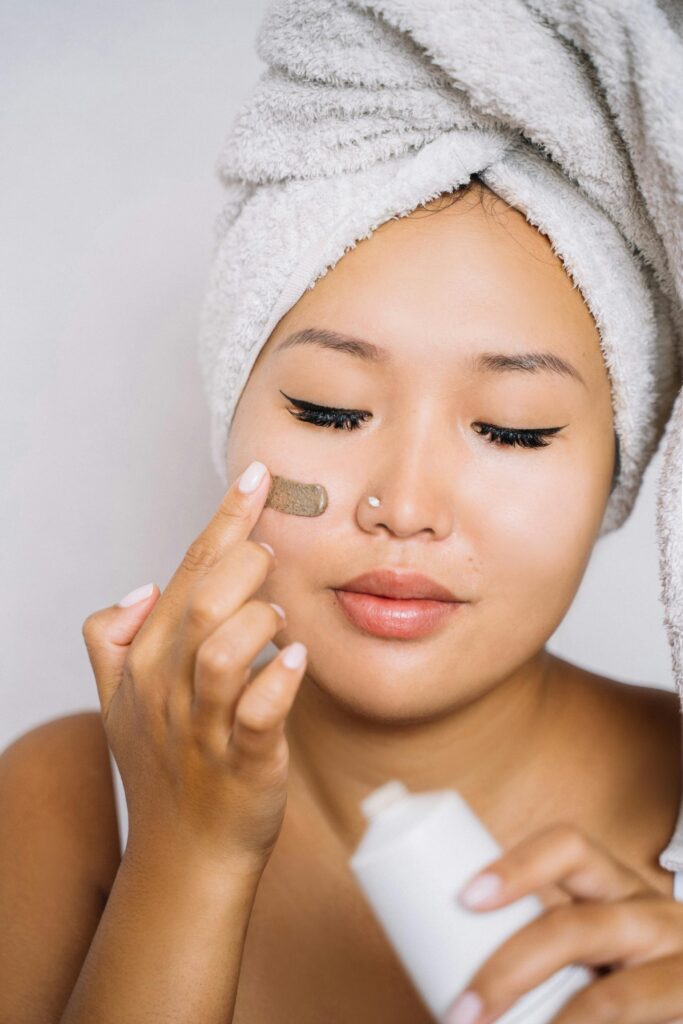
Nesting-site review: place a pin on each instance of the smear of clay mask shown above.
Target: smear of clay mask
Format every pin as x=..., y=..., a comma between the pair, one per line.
x=296, y=498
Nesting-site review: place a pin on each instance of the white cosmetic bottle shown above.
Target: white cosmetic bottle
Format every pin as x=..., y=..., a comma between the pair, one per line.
x=418, y=852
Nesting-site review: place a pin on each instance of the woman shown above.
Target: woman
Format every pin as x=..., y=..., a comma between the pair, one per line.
x=447, y=383
x=252, y=826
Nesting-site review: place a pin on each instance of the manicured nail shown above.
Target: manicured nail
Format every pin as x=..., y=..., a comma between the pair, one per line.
x=266, y=546
x=294, y=655
x=278, y=609
x=251, y=478
x=465, y=1009
x=480, y=889
x=139, y=594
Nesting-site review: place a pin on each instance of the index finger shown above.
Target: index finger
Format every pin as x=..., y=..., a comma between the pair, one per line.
x=561, y=854
x=232, y=522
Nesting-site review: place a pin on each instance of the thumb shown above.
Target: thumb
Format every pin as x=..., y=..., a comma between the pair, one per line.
x=109, y=633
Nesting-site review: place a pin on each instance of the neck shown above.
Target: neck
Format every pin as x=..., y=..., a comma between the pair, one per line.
x=496, y=750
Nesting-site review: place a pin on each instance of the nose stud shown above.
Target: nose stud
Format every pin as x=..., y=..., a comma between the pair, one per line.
x=373, y=501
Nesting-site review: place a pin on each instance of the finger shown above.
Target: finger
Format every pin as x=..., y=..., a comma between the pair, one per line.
x=625, y=933
x=258, y=726
x=216, y=598
x=651, y=993
x=233, y=521
x=108, y=634
x=563, y=855
x=222, y=669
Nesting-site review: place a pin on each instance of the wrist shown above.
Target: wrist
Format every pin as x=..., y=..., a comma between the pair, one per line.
x=179, y=860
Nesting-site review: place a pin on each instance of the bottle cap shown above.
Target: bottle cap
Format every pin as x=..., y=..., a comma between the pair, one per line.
x=380, y=798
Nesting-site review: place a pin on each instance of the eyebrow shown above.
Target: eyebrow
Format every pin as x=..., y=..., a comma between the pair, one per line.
x=482, y=362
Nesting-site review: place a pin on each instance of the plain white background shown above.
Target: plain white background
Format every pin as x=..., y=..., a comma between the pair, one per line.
x=112, y=119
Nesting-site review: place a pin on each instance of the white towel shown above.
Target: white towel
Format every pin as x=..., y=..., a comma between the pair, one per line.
x=570, y=110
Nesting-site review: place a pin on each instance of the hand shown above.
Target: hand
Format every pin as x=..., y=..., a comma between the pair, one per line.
x=200, y=745
x=616, y=922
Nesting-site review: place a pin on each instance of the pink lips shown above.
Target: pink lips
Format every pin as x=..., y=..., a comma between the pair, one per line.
x=393, y=617
x=400, y=605
x=404, y=583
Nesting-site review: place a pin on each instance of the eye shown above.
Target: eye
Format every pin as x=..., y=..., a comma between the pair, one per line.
x=326, y=416
x=516, y=436
x=350, y=419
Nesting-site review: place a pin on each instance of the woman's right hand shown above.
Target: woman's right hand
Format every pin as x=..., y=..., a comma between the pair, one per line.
x=202, y=756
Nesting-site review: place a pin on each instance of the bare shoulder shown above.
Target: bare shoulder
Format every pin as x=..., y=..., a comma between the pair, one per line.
x=600, y=698
x=57, y=775
x=653, y=712
x=633, y=738
x=58, y=859
x=652, y=727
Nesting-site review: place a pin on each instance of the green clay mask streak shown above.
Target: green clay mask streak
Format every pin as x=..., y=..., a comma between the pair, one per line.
x=295, y=498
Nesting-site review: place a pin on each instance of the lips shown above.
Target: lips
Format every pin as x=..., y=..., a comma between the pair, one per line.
x=388, y=604
x=389, y=583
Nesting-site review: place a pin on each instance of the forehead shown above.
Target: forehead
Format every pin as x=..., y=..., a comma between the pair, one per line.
x=464, y=276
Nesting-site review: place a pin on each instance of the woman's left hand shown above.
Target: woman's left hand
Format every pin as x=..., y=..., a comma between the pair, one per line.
x=615, y=921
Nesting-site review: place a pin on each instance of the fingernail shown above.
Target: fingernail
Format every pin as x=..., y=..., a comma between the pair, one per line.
x=139, y=594
x=465, y=1009
x=266, y=546
x=278, y=609
x=294, y=655
x=251, y=478
x=480, y=889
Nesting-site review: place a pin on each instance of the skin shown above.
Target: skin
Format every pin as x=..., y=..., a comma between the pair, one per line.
x=480, y=705
x=577, y=776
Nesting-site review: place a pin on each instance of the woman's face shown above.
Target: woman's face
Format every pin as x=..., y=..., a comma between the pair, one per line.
x=508, y=529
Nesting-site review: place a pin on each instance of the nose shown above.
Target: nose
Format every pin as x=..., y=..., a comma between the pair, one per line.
x=413, y=481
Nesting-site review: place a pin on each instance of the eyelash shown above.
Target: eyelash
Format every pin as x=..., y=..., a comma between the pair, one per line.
x=350, y=419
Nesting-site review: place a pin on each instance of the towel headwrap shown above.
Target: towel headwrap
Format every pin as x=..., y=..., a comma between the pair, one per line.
x=569, y=110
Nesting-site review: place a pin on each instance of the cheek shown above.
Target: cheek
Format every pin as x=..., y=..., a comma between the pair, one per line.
x=294, y=538
x=536, y=540
x=310, y=547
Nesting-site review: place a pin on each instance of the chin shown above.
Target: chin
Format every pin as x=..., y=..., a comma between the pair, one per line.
x=385, y=695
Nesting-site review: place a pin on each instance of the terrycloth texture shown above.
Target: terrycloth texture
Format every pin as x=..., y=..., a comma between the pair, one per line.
x=570, y=110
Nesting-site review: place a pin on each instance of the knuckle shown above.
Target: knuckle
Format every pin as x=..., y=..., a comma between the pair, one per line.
x=572, y=837
x=232, y=512
x=204, y=610
x=214, y=660
x=137, y=664
x=210, y=690
x=200, y=555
